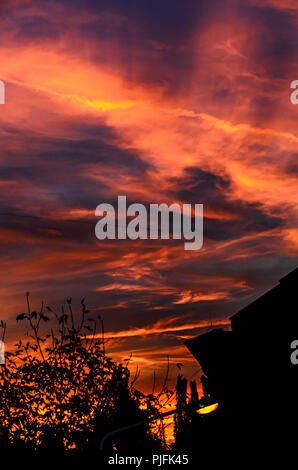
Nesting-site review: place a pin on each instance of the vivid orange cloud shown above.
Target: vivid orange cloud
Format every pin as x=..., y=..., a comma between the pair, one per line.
x=173, y=103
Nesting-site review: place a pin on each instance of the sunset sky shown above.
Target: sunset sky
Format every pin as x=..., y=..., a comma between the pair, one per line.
x=161, y=101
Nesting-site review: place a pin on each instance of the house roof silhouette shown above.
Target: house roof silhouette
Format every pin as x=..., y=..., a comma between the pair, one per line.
x=281, y=292
x=258, y=344
x=249, y=372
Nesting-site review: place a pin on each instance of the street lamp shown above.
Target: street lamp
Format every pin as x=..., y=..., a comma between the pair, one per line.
x=205, y=410
x=202, y=407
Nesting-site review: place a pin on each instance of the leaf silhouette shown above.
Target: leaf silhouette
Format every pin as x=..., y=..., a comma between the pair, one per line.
x=21, y=316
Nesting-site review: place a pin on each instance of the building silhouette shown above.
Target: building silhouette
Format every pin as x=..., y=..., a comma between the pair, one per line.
x=249, y=370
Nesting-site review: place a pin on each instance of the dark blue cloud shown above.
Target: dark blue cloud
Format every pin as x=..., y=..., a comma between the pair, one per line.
x=198, y=186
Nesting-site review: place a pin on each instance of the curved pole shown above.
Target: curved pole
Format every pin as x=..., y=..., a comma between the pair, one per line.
x=193, y=407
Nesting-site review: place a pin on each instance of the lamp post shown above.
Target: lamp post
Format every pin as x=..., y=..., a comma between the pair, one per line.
x=202, y=407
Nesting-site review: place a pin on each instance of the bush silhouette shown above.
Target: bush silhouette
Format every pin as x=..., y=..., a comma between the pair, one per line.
x=59, y=390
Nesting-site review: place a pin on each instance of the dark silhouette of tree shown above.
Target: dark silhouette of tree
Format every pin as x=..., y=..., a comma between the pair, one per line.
x=181, y=418
x=194, y=396
x=192, y=430
x=60, y=392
